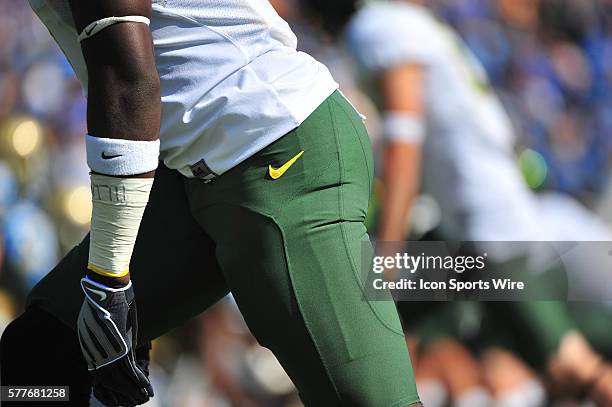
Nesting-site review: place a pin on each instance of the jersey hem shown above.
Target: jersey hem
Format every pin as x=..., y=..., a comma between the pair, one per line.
x=298, y=117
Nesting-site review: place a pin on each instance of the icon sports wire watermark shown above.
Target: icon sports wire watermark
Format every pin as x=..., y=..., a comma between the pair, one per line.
x=487, y=271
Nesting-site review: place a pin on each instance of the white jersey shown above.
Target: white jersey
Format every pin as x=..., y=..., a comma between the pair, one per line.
x=232, y=81
x=469, y=165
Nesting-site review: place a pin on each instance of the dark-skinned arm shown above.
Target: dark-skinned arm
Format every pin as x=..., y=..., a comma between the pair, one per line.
x=123, y=107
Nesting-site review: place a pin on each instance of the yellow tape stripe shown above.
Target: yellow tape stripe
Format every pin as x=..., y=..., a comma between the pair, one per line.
x=98, y=270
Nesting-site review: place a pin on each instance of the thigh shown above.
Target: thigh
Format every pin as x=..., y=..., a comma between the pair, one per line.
x=302, y=299
x=173, y=267
x=291, y=251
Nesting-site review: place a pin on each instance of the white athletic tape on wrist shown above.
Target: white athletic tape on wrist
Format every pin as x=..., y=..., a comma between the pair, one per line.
x=95, y=27
x=118, y=206
x=121, y=157
x=403, y=127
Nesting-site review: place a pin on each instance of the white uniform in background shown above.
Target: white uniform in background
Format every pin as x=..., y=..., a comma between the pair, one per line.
x=468, y=161
x=232, y=81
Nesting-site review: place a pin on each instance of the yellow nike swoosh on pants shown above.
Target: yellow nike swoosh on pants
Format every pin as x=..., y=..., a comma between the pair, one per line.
x=277, y=173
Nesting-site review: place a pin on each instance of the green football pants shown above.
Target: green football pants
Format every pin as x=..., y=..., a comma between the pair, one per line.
x=289, y=250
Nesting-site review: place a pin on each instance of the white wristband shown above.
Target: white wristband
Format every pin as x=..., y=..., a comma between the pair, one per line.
x=118, y=207
x=403, y=127
x=121, y=157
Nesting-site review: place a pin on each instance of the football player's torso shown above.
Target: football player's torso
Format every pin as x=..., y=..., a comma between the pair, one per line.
x=251, y=26
x=216, y=58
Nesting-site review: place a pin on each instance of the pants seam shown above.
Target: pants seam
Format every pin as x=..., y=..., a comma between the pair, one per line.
x=343, y=228
x=340, y=198
x=363, y=150
x=340, y=163
x=299, y=304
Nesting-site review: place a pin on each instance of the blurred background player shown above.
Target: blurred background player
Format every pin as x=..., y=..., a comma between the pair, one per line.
x=447, y=133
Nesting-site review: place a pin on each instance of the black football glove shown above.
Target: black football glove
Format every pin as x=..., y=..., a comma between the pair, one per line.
x=107, y=329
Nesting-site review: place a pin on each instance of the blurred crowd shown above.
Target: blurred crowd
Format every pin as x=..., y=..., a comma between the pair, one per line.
x=552, y=67
x=44, y=194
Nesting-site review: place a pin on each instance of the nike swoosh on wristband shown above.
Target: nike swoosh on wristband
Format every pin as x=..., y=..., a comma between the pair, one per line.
x=277, y=173
x=102, y=294
x=88, y=32
x=108, y=157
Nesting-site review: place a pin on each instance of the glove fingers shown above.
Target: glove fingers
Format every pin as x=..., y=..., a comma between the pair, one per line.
x=141, y=355
x=144, y=381
x=126, y=401
x=135, y=372
x=139, y=368
x=125, y=381
x=111, y=397
x=105, y=396
x=133, y=322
